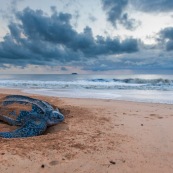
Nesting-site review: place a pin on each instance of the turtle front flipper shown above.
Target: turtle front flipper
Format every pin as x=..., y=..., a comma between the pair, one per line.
x=32, y=127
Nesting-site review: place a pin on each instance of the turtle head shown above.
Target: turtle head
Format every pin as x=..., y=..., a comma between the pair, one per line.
x=55, y=117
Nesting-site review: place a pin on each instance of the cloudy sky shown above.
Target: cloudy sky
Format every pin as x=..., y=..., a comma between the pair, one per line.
x=93, y=36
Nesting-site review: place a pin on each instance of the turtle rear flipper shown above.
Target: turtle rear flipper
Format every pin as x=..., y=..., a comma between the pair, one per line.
x=32, y=127
x=9, y=120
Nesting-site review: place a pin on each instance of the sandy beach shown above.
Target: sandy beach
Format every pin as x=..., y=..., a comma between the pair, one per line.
x=97, y=136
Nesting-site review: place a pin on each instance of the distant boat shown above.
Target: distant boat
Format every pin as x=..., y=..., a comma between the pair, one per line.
x=74, y=73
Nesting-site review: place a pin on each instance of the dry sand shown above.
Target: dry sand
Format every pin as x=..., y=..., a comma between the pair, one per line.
x=97, y=136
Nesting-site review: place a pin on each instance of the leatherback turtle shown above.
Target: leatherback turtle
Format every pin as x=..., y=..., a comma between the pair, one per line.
x=32, y=123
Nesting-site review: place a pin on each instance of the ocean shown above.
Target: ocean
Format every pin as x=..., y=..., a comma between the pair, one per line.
x=140, y=88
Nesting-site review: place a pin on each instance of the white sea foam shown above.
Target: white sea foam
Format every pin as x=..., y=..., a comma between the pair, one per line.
x=156, y=89
x=75, y=93
x=128, y=95
x=124, y=84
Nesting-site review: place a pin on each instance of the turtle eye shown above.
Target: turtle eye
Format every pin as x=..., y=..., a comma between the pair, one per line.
x=57, y=116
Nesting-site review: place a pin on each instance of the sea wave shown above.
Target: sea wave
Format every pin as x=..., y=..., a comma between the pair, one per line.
x=98, y=83
x=159, y=81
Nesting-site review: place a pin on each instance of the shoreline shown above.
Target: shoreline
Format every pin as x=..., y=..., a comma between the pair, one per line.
x=96, y=136
x=21, y=91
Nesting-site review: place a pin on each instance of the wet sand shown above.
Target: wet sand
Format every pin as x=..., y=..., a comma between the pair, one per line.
x=97, y=136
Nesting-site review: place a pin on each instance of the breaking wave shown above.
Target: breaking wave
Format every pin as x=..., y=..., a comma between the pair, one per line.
x=98, y=83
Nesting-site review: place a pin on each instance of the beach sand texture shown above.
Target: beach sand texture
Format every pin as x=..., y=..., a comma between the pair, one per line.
x=97, y=136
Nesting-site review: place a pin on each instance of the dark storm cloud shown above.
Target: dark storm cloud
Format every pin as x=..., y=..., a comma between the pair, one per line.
x=169, y=45
x=36, y=25
x=167, y=33
x=128, y=23
x=166, y=38
x=41, y=39
x=146, y=62
x=115, y=10
x=153, y=5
